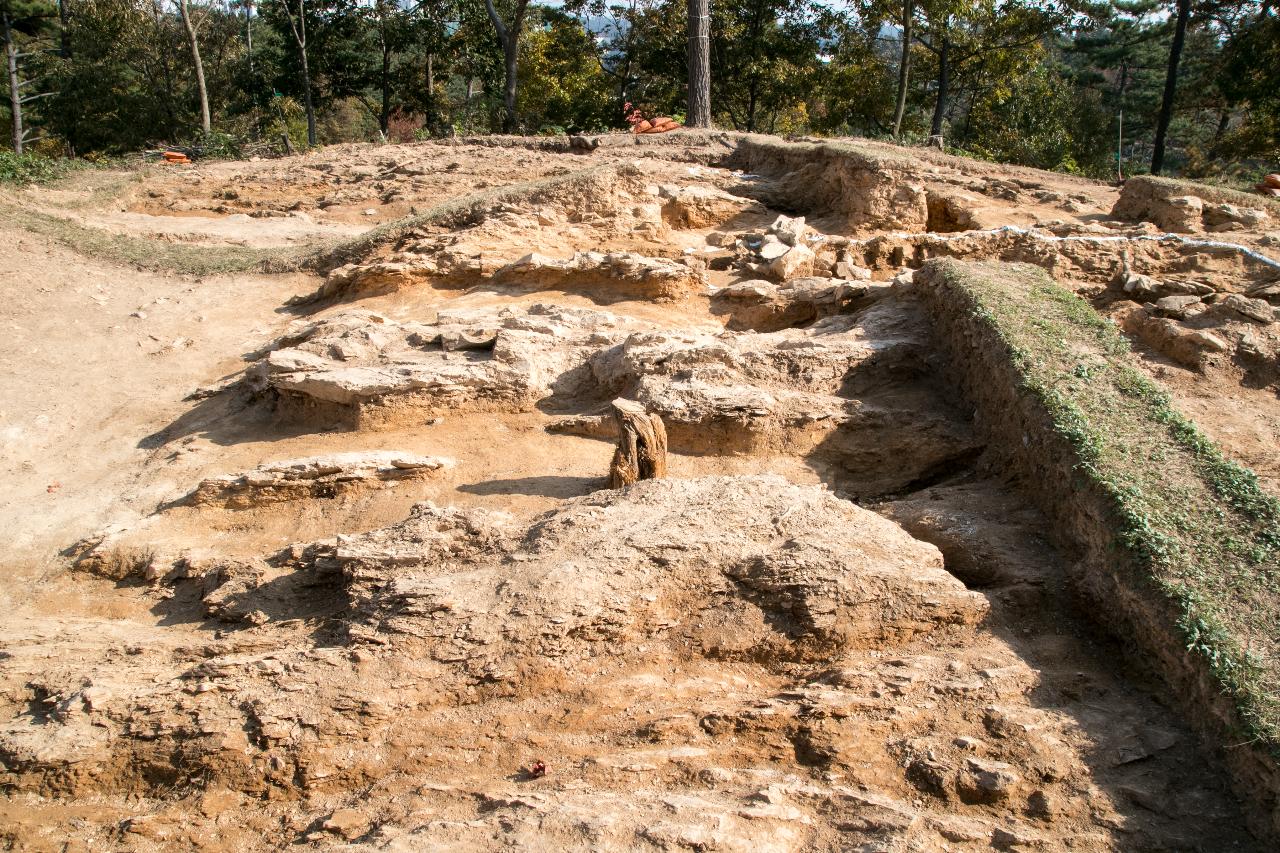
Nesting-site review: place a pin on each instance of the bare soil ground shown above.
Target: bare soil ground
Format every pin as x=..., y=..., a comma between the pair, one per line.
x=244, y=613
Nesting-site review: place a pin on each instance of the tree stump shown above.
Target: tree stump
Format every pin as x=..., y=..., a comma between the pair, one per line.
x=642, y=445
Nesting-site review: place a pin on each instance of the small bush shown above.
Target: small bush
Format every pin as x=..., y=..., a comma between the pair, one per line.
x=31, y=168
x=218, y=146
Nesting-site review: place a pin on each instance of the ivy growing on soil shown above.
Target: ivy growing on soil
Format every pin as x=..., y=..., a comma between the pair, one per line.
x=1188, y=523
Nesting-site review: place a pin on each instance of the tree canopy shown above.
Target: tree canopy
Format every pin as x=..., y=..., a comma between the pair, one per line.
x=1081, y=86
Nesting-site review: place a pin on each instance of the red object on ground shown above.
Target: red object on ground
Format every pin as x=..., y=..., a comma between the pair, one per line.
x=1272, y=180
x=537, y=769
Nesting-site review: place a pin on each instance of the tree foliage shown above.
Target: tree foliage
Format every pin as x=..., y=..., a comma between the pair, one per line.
x=1075, y=86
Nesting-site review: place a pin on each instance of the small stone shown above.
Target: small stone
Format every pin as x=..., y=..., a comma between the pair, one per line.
x=790, y=230
x=348, y=823
x=1013, y=839
x=1143, y=288
x=772, y=248
x=1268, y=291
x=1179, y=307
x=1043, y=805
x=1208, y=341
x=1254, y=309
x=852, y=272
x=797, y=262
x=986, y=781
x=716, y=776
x=370, y=212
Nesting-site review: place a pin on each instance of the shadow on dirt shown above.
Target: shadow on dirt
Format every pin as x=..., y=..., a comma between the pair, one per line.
x=549, y=487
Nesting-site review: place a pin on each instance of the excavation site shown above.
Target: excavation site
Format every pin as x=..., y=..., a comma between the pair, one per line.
x=687, y=492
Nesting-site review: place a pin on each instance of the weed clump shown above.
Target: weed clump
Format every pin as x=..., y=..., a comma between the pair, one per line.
x=24, y=169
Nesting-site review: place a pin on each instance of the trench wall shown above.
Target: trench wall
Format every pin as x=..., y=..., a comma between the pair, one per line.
x=1144, y=504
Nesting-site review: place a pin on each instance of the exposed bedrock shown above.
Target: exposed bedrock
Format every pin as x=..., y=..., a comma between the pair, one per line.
x=360, y=369
x=868, y=190
x=1184, y=207
x=313, y=477
x=846, y=387
x=737, y=568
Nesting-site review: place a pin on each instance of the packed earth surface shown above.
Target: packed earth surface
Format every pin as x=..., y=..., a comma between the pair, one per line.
x=310, y=542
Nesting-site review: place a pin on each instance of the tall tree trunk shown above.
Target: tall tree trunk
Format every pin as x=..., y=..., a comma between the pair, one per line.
x=248, y=34
x=164, y=88
x=306, y=99
x=1224, y=121
x=384, y=115
x=699, y=26
x=433, y=113
x=944, y=87
x=511, y=55
x=15, y=92
x=184, y=9
x=1170, y=86
x=64, y=32
x=904, y=66
x=509, y=39
x=300, y=37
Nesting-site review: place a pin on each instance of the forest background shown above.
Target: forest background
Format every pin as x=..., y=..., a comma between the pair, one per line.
x=1184, y=87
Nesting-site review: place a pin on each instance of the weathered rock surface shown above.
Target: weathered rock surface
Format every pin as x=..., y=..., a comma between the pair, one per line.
x=608, y=277
x=1185, y=208
x=312, y=477
x=508, y=357
x=734, y=566
x=764, y=306
x=800, y=390
x=1187, y=346
x=703, y=207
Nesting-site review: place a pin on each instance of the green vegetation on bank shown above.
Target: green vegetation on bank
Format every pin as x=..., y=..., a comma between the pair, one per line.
x=145, y=252
x=1186, y=523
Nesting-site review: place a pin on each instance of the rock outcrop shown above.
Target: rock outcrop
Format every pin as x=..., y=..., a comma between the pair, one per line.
x=750, y=567
x=313, y=477
x=607, y=277
x=357, y=368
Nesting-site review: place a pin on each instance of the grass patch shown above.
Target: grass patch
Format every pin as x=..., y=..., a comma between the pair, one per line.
x=1186, y=523
x=146, y=253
